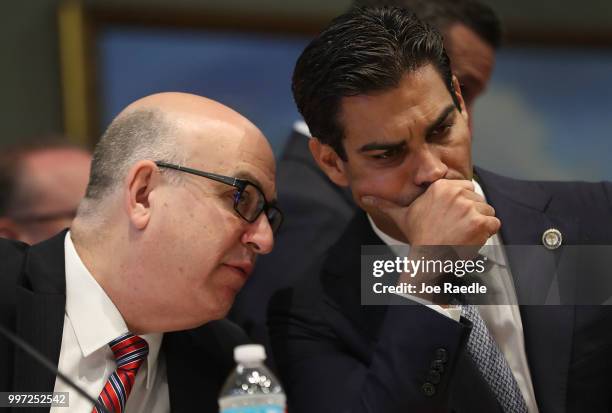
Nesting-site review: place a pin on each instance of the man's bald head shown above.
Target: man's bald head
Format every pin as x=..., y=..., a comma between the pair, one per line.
x=162, y=126
x=185, y=107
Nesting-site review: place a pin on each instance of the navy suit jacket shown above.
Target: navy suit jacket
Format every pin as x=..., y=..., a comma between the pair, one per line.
x=32, y=301
x=335, y=355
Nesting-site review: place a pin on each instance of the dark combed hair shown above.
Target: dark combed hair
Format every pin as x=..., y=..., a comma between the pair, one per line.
x=442, y=14
x=363, y=51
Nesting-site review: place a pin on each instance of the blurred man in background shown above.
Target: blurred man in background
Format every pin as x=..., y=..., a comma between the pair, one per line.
x=316, y=210
x=41, y=185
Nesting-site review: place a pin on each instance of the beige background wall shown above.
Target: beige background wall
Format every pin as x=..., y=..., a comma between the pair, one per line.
x=30, y=77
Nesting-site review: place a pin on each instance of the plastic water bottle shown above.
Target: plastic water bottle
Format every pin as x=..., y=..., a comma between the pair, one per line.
x=251, y=388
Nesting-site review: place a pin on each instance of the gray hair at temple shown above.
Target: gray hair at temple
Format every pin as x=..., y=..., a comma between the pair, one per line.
x=131, y=137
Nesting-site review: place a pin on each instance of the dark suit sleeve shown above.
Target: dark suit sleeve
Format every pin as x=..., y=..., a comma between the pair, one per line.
x=198, y=362
x=607, y=187
x=328, y=365
x=11, y=260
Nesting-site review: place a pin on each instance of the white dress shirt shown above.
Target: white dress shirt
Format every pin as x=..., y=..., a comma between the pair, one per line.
x=92, y=321
x=503, y=321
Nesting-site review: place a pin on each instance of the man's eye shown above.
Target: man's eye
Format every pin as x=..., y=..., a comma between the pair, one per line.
x=440, y=131
x=388, y=154
x=241, y=197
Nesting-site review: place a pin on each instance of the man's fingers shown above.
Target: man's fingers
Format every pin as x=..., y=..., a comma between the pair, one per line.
x=464, y=183
x=390, y=208
x=445, y=184
x=493, y=224
x=383, y=204
x=484, y=209
x=472, y=196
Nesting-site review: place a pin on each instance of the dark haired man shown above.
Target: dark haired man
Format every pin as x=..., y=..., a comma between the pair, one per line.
x=127, y=303
x=389, y=122
x=317, y=210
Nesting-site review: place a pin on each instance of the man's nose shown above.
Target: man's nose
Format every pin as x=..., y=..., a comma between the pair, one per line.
x=259, y=236
x=429, y=167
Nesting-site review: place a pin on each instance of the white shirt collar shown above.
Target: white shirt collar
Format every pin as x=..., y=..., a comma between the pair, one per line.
x=301, y=127
x=94, y=317
x=493, y=254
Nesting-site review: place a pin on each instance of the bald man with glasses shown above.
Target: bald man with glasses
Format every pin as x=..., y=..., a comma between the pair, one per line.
x=151, y=264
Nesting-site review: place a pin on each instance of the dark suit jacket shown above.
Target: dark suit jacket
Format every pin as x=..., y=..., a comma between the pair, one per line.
x=336, y=355
x=316, y=212
x=32, y=300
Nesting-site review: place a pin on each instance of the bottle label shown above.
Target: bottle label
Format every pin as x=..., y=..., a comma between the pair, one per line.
x=264, y=408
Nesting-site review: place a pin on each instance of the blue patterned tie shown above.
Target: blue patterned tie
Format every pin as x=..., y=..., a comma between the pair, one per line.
x=492, y=364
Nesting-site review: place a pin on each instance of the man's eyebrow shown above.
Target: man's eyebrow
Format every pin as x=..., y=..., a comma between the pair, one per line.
x=248, y=176
x=251, y=178
x=376, y=146
x=440, y=119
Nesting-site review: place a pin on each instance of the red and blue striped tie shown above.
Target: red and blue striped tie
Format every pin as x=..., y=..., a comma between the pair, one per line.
x=130, y=351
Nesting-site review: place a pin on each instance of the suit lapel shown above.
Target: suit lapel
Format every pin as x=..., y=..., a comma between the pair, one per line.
x=341, y=276
x=40, y=313
x=188, y=380
x=525, y=211
x=198, y=362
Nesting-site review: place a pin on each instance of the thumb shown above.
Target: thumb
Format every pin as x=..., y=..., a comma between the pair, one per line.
x=393, y=210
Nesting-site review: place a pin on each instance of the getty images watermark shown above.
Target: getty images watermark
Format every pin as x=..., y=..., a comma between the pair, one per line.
x=491, y=275
x=427, y=267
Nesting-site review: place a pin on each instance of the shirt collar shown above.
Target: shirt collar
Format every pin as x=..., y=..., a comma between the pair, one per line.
x=490, y=250
x=301, y=127
x=94, y=317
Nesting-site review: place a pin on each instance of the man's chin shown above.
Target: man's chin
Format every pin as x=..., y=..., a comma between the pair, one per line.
x=215, y=308
x=223, y=302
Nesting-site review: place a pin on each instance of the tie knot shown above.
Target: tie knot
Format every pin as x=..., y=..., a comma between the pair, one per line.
x=128, y=349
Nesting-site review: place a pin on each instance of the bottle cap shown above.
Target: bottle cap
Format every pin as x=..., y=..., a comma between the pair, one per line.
x=249, y=353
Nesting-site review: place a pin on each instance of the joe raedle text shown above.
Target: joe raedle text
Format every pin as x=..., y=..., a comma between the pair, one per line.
x=425, y=288
x=419, y=275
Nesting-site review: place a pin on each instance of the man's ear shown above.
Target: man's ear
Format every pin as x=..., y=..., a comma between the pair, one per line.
x=8, y=228
x=329, y=161
x=457, y=88
x=140, y=181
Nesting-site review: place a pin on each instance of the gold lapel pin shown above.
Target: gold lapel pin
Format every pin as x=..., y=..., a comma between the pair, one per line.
x=552, y=238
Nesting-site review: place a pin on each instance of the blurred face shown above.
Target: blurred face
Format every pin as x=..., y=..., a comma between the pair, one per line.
x=400, y=141
x=208, y=250
x=51, y=184
x=472, y=61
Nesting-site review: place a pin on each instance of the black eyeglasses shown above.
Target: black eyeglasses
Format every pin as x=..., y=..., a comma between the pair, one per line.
x=249, y=200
